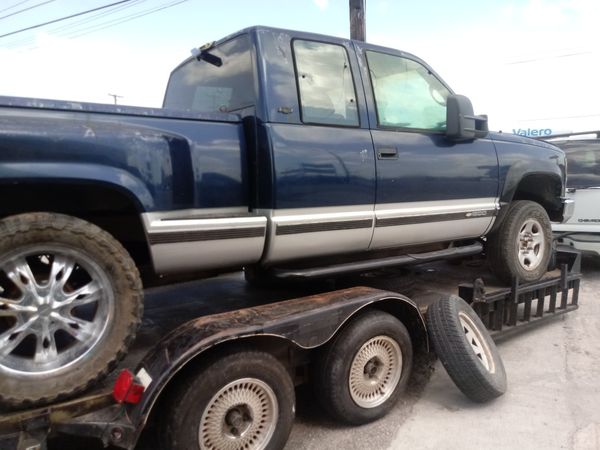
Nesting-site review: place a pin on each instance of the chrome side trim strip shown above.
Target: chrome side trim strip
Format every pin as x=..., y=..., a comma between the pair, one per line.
x=154, y=224
x=403, y=224
x=410, y=220
x=198, y=213
x=323, y=226
x=194, y=243
x=197, y=239
x=206, y=235
x=386, y=210
x=333, y=230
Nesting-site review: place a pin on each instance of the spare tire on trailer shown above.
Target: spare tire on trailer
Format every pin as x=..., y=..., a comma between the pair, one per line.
x=70, y=305
x=466, y=349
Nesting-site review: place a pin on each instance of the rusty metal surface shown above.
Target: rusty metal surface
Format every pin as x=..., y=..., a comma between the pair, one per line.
x=55, y=413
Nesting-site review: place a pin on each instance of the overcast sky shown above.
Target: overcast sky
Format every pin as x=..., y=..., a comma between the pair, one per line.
x=526, y=63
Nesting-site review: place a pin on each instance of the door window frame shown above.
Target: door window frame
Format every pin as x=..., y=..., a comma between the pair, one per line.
x=356, y=88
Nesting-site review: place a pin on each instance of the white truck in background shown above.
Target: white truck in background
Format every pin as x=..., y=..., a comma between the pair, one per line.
x=582, y=230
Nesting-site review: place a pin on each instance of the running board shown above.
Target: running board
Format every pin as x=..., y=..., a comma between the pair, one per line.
x=373, y=264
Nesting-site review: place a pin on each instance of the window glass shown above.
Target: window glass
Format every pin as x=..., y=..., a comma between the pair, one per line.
x=583, y=158
x=407, y=95
x=204, y=87
x=325, y=84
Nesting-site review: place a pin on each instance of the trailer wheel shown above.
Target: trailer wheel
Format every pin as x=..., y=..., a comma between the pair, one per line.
x=522, y=246
x=244, y=400
x=466, y=349
x=70, y=304
x=360, y=375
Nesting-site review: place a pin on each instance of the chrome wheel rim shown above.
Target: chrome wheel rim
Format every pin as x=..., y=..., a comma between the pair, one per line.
x=530, y=245
x=375, y=371
x=477, y=342
x=240, y=416
x=55, y=305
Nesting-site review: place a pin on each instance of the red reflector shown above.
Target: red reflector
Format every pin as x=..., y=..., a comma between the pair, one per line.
x=126, y=390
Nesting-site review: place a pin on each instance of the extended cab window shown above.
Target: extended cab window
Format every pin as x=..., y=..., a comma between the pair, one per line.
x=327, y=94
x=203, y=86
x=407, y=94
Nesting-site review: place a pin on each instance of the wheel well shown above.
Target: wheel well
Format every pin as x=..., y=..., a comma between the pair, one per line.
x=110, y=209
x=543, y=189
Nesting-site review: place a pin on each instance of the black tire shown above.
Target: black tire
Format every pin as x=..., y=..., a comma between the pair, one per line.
x=524, y=224
x=333, y=375
x=466, y=349
x=72, y=340
x=245, y=372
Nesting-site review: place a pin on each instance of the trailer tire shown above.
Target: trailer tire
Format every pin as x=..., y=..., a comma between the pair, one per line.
x=53, y=343
x=521, y=247
x=245, y=395
x=363, y=371
x=466, y=349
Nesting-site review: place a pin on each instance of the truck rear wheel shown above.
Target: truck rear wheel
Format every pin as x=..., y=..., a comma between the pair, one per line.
x=70, y=304
x=360, y=375
x=522, y=246
x=466, y=349
x=244, y=400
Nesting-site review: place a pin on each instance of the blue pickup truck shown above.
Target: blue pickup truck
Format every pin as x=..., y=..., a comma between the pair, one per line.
x=290, y=154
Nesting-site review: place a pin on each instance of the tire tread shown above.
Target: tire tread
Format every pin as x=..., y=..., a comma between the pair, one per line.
x=14, y=226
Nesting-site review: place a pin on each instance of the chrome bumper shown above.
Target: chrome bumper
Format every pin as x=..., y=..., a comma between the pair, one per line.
x=568, y=208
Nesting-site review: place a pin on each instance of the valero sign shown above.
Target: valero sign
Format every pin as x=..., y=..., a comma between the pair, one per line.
x=532, y=132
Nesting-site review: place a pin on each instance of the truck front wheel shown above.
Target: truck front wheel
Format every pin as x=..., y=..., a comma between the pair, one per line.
x=360, y=375
x=521, y=247
x=70, y=304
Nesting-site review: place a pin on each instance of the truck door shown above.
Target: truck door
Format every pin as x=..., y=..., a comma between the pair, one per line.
x=429, y=189
x=323, y=165
x=583, y=186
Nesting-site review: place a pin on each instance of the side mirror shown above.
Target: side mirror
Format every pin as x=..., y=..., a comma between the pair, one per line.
x=461, y=123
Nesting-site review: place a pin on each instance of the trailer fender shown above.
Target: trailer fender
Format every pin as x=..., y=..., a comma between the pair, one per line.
x=306, y=322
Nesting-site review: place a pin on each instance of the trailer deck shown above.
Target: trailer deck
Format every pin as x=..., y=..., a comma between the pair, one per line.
x=504, y=310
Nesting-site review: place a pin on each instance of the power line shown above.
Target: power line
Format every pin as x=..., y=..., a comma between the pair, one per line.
x=65, y=29
x=69, y=26
x=549, y=57
x=26, y=9
x=582, y=116
x=121, y=20
x=63, y=18
x=15, y=5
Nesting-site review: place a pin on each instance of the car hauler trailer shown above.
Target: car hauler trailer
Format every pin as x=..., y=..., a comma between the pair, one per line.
x=231, y=375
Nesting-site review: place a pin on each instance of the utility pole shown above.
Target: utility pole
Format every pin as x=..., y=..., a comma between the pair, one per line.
x=115, y=97
x=357, y=20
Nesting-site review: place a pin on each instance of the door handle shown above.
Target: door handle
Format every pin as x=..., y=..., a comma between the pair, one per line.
x=387, y=153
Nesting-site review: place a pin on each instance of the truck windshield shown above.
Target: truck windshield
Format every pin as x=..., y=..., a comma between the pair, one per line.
x=203, y=87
